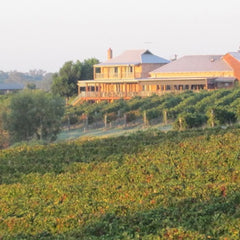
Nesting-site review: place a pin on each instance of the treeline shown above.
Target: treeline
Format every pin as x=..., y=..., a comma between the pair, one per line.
x=36, y=78
x=32, y=75
x=64, y=82
x=186, y=110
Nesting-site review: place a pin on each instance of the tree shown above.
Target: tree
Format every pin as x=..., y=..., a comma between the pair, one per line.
x=65, y=81
x=46, y=82
x=34, y=114
x=87, y=68
x=31, y=86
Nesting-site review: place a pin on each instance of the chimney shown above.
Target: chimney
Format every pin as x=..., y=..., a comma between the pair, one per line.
x=109, y=54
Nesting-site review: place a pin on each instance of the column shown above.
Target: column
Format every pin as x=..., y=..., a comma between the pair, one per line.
x=94, y=73
x=206, y=84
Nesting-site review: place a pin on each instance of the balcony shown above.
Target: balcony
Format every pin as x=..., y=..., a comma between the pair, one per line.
x=104, y=76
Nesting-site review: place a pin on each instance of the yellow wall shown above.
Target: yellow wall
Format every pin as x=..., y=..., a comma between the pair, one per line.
x=123, y=72
x=138, y=71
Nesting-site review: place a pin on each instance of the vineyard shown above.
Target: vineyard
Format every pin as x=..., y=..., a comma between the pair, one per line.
x=148, y=185
x=185, y=110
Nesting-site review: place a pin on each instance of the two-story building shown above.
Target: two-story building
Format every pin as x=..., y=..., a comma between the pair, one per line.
x=119, y=77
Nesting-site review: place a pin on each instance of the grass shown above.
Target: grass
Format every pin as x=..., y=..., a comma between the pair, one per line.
x=110, y=132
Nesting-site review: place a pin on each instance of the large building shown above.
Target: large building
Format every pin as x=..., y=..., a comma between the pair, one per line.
x=141, y=73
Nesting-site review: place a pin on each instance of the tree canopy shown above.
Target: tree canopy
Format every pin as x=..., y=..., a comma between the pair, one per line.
x=65, y=81
x=34, y=115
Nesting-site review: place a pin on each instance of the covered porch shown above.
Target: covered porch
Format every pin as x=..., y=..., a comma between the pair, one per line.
x=110, y=90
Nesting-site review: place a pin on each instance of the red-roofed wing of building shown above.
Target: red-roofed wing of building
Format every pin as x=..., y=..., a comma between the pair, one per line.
x=233, y=59
x=197, y=71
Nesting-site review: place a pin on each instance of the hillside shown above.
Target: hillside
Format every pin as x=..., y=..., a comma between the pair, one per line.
x=184, y=110
x=148, y=185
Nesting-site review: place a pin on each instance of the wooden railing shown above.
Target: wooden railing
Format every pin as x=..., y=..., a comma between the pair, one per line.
x=106, y=94
x=100, y=95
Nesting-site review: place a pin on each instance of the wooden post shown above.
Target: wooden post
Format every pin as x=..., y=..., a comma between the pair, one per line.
x=212, y=118
x=180, y=123
x=125, y=120
x=105, y=120
x=86, y=122
x=69, y=126
x=145, y=121
x=165, y=120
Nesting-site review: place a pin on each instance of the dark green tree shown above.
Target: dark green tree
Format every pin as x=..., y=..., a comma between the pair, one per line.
x=65, y=81
x=34, y=115
x=31, y=86
x=87, y=68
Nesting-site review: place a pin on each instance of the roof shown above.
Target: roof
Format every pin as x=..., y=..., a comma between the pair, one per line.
x=11, y=86
x=134, y=57
x=235, y=55
x=195, y=63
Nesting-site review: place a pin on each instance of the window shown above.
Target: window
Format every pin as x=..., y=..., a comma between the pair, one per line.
x=130, y=69
x=98, y=70
x=116, y=70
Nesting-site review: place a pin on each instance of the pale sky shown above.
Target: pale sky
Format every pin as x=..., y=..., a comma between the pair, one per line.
x=44, y=34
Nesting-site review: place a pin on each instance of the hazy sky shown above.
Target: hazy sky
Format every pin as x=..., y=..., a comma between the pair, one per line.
x=43, y=34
